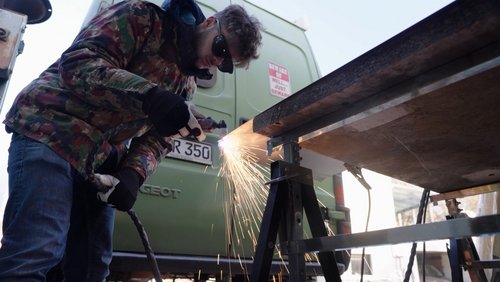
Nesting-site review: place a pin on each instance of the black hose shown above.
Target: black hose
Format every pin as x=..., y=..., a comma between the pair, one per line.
x=147, y=247
x=424, y=246
x=423, y=204
x=357, y=173
x=89, y=169
x=366, y=230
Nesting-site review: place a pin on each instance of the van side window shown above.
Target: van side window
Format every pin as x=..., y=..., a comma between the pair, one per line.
x=208, y=83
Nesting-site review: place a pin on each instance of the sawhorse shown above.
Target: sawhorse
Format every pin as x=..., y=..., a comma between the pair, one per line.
x=462, y=252
x=291, y=193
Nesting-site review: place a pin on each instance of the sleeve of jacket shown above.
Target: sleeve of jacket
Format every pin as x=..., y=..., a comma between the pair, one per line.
x=145, y=153
x=94, y=67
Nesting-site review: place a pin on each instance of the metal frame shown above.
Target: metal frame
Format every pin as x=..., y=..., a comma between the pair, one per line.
x=291, y=193
x=453, y=46
x=455, y=228
x=465, y=193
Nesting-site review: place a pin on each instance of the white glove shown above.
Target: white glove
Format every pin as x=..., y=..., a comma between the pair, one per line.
x=120, y=189
x=193, y=127
x=192, y=107
x=109, y=182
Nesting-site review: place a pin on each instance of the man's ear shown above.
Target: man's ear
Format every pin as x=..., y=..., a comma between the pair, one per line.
x=210, y=21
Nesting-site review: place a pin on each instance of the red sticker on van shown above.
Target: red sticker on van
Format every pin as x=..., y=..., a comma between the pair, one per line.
x=279, y=81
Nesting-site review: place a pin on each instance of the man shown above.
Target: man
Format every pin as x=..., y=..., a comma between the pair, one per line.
x=124, y=79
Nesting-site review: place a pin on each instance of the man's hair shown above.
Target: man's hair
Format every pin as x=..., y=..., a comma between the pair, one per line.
x=236, y=21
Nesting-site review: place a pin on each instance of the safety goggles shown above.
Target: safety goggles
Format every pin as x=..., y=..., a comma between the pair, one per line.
x=221, y=50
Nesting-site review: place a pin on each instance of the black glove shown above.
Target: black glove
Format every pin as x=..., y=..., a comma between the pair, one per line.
x=124, y=185
x=167, y=111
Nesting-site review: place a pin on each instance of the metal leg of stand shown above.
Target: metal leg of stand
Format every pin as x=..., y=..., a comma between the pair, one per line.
x=295, y=232
x=456, y=269
x=318, y=229
x=463, y=251
x=291, y=187
x=470, y=255
x=269, y=228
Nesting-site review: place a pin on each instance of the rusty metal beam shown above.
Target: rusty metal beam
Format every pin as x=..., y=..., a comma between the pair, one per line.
x=421, y=107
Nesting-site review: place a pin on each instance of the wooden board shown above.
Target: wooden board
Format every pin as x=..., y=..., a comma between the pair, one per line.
x=423, y=107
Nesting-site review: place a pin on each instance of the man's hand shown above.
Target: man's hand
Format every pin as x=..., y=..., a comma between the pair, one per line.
x=123, y=186
x=194, y=110
x=171, y=115
x=168, y=112
x=193, y=127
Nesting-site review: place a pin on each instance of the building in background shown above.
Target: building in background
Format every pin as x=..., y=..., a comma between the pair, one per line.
x=395, y=203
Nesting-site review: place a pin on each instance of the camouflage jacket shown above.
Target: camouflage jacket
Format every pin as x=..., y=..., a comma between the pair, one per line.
x=89, y=100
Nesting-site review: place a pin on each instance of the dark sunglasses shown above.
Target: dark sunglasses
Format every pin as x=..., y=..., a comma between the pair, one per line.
x=221, y=50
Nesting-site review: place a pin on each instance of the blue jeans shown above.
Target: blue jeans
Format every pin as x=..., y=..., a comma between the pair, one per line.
x=46, y=197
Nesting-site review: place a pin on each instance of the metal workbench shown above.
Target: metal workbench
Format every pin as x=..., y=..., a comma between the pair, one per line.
x=422, y=107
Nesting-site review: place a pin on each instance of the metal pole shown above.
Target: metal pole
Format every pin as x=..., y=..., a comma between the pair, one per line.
x=294, y=217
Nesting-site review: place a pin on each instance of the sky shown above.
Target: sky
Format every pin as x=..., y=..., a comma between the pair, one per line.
x=338, y=31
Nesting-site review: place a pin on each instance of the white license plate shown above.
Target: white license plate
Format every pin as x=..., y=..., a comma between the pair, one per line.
x=191, y=151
